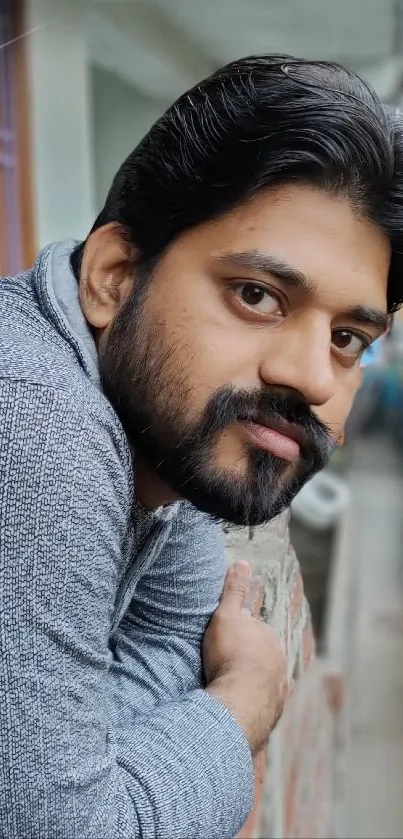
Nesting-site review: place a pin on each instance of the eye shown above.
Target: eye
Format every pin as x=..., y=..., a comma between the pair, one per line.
x=258, y=297
x=349, y=344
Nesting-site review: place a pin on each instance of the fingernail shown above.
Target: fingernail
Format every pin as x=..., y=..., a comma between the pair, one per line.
x=242, y=568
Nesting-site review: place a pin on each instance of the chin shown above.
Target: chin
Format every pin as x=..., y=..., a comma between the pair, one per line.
x=240, y=502
x=249, y=492
x=240, y=513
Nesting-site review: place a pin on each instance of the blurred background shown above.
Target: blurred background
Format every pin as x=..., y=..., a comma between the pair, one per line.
x=81, y=81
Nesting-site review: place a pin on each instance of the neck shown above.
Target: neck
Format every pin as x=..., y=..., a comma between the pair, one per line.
x=152, y=491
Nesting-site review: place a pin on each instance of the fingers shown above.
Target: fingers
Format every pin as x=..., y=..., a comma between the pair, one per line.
x=236, y=586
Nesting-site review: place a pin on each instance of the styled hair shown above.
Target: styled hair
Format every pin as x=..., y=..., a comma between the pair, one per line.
x=260, y=122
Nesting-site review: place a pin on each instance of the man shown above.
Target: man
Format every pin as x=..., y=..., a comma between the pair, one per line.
x=193, y=361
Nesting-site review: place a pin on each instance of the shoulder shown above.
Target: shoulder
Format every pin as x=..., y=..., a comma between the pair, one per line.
x=53, y=417
x=44, y=380
x=52, y=440
x=31, y=349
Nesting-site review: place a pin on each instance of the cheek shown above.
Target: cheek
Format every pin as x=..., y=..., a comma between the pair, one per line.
x=209, y=351
x=204, y=361
x=190, y=364
x=335, y=413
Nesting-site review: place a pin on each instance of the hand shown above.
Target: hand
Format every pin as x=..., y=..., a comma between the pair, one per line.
x=244, y=664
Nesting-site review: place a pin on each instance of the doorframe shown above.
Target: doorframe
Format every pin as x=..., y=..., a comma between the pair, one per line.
x=21, y=99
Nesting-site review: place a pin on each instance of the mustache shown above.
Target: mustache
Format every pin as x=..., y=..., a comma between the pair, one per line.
x=228, y=406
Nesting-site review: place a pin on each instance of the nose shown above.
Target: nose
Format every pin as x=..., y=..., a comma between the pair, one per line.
x=298, y=357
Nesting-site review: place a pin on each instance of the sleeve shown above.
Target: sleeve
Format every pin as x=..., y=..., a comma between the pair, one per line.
x=158, y=643
x=66, y=773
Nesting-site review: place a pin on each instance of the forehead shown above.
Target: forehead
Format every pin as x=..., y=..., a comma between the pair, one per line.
x=345, y=256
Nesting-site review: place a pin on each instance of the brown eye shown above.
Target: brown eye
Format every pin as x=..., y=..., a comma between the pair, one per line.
x=259, y=298
x=349, y=343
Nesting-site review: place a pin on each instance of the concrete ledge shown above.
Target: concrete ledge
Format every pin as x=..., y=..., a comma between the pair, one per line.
x=299, y=783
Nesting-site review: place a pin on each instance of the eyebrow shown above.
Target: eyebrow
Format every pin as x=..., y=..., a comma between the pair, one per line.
x=368, y=316
x=272, y=266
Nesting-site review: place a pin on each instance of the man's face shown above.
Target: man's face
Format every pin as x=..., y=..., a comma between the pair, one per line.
x=234, y=368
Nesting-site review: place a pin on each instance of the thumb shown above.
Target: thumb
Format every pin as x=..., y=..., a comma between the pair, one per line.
x=236, y=585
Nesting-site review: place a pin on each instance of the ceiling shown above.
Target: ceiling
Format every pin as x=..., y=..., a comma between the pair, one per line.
x=163, y=47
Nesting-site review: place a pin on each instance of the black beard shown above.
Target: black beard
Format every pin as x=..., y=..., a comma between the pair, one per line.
x=144, y=382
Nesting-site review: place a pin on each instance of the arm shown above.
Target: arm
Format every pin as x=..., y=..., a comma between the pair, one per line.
x=158, y=647
x=185, y=769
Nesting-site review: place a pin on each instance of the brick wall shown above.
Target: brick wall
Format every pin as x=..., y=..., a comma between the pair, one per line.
x=295, y=779
x=298, y=791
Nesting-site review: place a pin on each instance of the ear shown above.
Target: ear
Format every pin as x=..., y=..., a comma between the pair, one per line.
x=107, y=275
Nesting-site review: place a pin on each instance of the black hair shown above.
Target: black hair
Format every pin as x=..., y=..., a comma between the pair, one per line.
x=259, y=122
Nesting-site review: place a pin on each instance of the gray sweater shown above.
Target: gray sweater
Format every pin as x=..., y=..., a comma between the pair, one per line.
x=105, y=729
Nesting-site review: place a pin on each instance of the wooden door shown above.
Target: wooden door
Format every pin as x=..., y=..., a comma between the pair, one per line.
x=16, y=223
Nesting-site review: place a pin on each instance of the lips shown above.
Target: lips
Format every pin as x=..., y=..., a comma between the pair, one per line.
x=282, y=439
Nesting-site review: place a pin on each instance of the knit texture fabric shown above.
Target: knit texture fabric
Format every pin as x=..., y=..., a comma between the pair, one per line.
x=106, y=732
